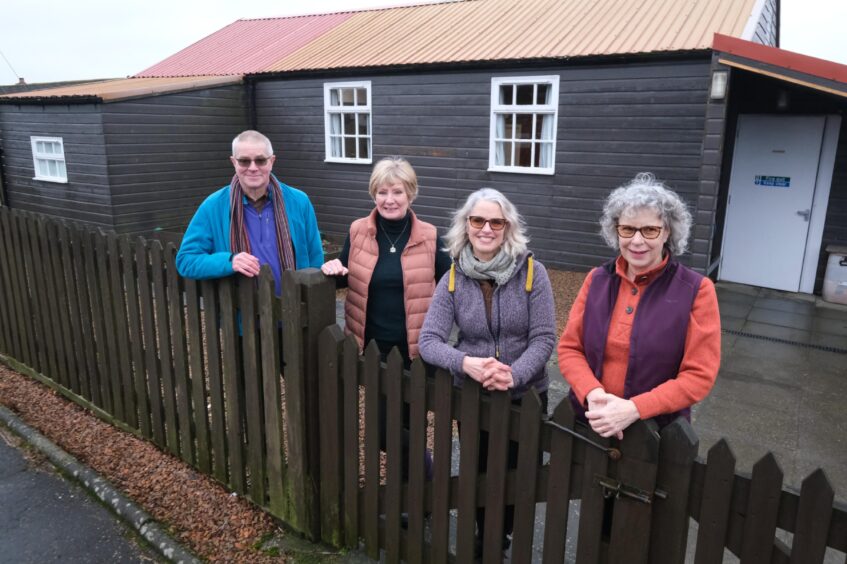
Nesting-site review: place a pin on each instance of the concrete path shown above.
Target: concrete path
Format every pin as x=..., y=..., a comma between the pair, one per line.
x=782, y=384
x=46, y=518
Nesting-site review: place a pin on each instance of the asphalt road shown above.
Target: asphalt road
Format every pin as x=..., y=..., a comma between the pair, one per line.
x=47, y=518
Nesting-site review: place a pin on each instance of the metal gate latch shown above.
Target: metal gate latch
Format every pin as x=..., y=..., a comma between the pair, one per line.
x=615, y=488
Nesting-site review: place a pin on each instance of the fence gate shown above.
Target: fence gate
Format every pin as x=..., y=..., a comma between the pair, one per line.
x=634, y=497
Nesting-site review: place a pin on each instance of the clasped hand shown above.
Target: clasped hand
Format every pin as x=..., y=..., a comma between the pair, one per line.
x=489, y=372
x=609, y=414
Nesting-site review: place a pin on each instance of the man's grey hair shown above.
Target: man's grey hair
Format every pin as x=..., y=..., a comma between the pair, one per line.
x=254, y=136
x=644, y=192
x=515, y=238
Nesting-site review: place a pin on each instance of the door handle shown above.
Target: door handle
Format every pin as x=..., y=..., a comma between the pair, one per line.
x=805, y=214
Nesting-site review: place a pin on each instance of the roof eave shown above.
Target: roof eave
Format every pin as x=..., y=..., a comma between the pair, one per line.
x=49, y=100
x=704, y=53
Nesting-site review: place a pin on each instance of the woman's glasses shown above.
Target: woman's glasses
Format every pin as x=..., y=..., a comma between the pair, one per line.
x=496, y=223
x=245, y=162
x=648, y=231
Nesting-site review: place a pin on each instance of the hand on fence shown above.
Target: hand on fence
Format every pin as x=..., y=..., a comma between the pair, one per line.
x=610, y=415
x=490, y=372
x=334, y=268
x=497, y=376
x=246, y=264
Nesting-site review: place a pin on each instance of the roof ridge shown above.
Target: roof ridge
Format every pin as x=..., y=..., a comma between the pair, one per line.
x=360, y=11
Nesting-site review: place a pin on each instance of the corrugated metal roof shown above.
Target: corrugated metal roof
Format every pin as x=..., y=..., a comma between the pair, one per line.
x=123, y=88
x=245, y=46
x=460, y=31
x=486, y=30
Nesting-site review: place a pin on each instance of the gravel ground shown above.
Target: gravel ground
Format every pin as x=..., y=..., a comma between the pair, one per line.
x=198, y=512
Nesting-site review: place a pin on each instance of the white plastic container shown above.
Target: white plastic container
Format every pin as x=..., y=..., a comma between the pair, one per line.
x=835, y=279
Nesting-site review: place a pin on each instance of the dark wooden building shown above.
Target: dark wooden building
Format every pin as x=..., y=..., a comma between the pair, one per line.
x=133, y=155
x=566, y=102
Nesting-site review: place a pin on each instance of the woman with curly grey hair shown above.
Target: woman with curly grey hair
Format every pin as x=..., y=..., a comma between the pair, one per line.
x=502, y=302
x=643, y=339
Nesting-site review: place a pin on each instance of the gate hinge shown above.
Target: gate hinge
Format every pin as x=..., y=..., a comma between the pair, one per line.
x=615, y=488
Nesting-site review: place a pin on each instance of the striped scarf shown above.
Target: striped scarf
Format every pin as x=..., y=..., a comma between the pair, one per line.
x=238, y=239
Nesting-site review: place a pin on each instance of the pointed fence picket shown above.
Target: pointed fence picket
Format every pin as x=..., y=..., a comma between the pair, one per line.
x=196, y=368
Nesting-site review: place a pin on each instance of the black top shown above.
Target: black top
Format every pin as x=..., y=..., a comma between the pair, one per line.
x=386, y=315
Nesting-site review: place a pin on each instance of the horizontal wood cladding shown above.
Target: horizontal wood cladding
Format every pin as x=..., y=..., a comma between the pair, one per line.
x=167, y=153
x=835, y=227
x=85, y=197
x=614, y=121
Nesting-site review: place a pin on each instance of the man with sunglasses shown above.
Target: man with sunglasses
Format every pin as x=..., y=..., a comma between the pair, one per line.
x=255, y=220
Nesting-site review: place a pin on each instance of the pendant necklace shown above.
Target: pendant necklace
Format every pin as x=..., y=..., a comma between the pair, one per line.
x=393, y=243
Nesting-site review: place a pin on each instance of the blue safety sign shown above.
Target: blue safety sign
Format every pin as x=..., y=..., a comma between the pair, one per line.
x=778, y=181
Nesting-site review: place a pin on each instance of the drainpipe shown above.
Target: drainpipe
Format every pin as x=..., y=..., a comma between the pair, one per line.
x=2, y=183
x=250, y=87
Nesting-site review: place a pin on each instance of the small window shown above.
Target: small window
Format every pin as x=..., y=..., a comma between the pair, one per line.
x=48, y=156
x=347, y=122
x=524, y=113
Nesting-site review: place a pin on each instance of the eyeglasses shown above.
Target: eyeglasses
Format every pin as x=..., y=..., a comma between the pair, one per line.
x=496, y=223
x=647, y=231
x=245, y=162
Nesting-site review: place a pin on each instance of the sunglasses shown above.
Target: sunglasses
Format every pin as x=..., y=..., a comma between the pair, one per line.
x=648, y=231
x=245, y=162
x=496, y=223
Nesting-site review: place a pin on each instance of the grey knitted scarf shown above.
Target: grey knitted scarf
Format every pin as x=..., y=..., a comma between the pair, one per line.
x=500, y=268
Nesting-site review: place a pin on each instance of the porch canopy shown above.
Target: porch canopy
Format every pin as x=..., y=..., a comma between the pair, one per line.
x=787, y=66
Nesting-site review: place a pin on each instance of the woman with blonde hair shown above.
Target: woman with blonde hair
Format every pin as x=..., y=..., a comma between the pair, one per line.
x=391, y=262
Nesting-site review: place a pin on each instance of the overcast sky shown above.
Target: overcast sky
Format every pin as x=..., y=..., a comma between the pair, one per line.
x=51, y=40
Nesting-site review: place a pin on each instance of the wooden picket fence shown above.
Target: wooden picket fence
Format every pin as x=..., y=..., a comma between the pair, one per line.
x=194, y=367
x=647, y=487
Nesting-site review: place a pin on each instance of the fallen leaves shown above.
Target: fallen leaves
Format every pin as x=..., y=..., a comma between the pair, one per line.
x=198, y=511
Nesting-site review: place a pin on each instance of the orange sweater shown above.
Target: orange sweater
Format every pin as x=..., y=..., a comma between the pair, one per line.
x=700, y=362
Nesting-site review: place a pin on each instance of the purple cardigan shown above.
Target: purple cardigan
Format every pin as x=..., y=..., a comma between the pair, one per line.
x=523, y=323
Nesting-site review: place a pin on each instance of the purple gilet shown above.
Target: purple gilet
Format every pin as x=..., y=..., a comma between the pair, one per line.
x=523, y=326
x=657, y=342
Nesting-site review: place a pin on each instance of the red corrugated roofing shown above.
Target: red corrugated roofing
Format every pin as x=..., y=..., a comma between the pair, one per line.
x=460, y=31
x=245, y=46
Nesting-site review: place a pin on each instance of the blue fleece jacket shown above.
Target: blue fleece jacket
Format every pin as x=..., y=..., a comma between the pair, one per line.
x=205, y=249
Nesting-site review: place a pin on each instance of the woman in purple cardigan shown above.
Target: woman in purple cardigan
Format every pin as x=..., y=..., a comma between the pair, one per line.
x=502, y=302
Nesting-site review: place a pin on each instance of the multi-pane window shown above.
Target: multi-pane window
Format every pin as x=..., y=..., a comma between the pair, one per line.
x=524, y=111
x=347, y=107
x=48, y=156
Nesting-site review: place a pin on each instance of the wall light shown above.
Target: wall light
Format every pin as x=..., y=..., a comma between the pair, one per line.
x=719, y=80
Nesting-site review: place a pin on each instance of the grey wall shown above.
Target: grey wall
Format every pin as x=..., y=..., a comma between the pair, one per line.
x=166, y=153
x=835, y=228
x=85, y=197
x=767, y=30
x=615, y=120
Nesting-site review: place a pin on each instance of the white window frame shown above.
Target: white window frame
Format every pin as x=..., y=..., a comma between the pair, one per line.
x=356, y=110
x=38, y=156
x=497, y=108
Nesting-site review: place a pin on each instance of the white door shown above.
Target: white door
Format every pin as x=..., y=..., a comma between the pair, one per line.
x=771, y=189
